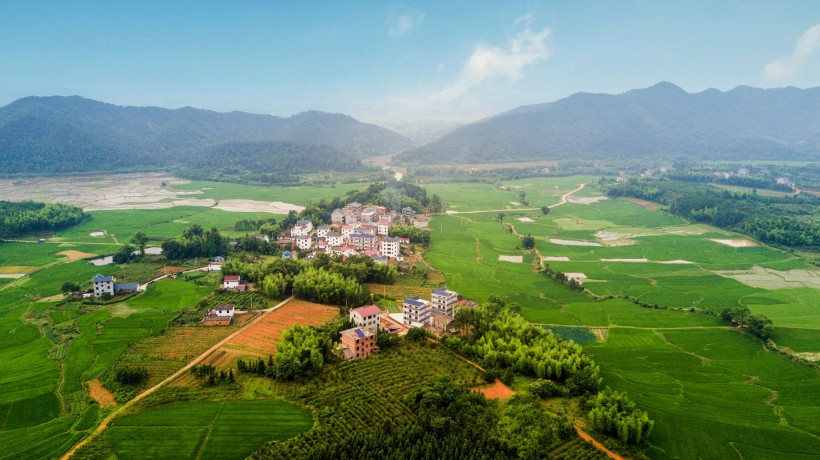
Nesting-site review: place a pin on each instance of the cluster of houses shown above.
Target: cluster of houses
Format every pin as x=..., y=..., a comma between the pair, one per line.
x=108, y=285
x=355, y=230
x=436, y=314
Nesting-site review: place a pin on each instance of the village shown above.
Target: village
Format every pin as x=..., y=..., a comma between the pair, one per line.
x=355, y=230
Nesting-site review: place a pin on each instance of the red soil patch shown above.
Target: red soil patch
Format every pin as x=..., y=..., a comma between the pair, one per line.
x=100, y=394
x=171, y=269
x=644, y=203
x=261, y=338
x=497, y=391
x=583, y=434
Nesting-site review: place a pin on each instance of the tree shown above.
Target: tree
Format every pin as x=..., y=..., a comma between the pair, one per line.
x=69, y=286
x=528, y=241
x=436, y=204
x=545, y=210
x=501, y=216
x=140, y=239
x=417, y=334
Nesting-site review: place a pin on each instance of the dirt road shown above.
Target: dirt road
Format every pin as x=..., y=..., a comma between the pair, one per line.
x=104, y=424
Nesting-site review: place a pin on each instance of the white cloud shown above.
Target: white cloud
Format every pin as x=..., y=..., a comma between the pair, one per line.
x=400, y=25
x=488, y=62
x=785, y=67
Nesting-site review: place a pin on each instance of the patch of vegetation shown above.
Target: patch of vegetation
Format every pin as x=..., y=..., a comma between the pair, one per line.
x=26, y=217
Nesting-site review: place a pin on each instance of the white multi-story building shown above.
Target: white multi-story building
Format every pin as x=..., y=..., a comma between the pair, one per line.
x=305, y=223
x=334, y=239
x=417, y=311
x=337, y=216
x=363, y=241
x=300, y=230
x=322, y=230
x=390, y=247
x=347, y=229
x=367, y=317
x=304, y=243
x=104, y=285
x=383, y=228
x=442, y=300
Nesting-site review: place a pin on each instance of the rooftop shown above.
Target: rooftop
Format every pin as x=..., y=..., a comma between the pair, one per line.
x=232, y=278
x=100, y=279
x=368, y=310
x=416, y=300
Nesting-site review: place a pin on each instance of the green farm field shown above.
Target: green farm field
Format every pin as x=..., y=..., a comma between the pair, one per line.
x=206, y=429
x=732, y=397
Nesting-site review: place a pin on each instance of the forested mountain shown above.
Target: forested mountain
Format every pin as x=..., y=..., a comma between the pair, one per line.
x=73, y=134
x=662, y=121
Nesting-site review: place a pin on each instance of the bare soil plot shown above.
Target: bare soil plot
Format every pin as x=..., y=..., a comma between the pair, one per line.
x=646, y=204
x=556, y=259
x=497, y=390
x=12, y=276
x=513, y=259
x=525, y=219
x=76, y=255
x=261, y=338
x=172, y=269
x=100, y=394
x=735, y=243
x=573, y=242
x=676, y=261
x=600, y=333
x=97, y=234
x=768, y=278
x=273, y=207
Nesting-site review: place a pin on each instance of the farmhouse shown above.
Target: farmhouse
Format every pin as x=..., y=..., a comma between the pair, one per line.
x=305, y=223
x=416, y=311
x=358, y=342
x=222, y=315
x=441, y=323
x=383, y=228
x=304, y=243
x=366, y=317
x=216, y=264
x=108, y=285
x=232, y=282
x=103, y=285
x=322, y=231
x=408, y=213
x=442, y=300
x=334, y=239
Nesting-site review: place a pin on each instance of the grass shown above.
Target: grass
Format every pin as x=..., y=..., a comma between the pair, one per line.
x=211, y=429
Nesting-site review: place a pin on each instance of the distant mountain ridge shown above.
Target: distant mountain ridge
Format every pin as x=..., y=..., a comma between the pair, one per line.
x=659, y=121
x=73, y=134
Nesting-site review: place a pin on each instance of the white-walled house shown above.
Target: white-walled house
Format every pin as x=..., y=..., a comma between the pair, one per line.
x=322, y=231
x=390, y=247
x=334, y=239
x=367, y=317
x=103, y=285
x=383, y=228
x=442, y=300
x=305, y=223
x=304, y=243
x=337, y=216
x=417, y=311
x=299, y=230
x=231, y=281
x=347, y=229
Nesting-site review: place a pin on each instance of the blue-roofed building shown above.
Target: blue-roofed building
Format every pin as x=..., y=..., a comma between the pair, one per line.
x=442, y=300
x=417, y=311
x=103, y=285
x=358, y=342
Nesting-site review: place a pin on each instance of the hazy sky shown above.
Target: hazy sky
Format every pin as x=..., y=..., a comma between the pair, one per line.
x=382, y=61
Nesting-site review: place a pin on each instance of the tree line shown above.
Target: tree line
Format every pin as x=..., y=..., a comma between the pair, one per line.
x=26, y=217
x=784, y=221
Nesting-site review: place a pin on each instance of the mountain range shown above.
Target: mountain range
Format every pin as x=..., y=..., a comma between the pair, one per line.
x=72, y=134
x=662, y=121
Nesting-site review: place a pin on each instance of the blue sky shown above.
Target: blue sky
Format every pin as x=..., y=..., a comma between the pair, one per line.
x=386, y=62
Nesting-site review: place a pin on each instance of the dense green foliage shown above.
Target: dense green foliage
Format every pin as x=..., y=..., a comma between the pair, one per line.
x=415, y=234
x=328, y=287
x=787, y=221
x=131, y=375
x=757, y=325
x=194, y=243
x=21, y=218
x=612, y=412
x=501, y=339
x=302, y=350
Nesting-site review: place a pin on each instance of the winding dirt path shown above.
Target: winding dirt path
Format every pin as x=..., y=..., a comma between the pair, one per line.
x=583, y=434
x=566, y=196
x=104, y=424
